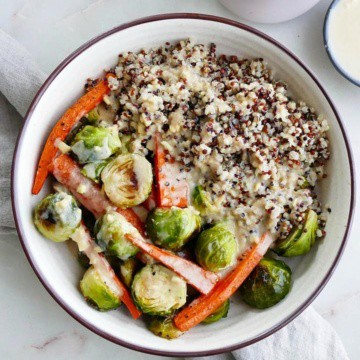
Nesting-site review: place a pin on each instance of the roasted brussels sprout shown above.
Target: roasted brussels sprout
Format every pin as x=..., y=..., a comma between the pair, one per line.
x=158, y=291
x=83, y=260
x=93, y=116
x=127, y=271
x=268, y=283
x=97, y=293
x=163, y=327
x=202, y=201
x=110, y=231
x=127, y=180
x=93, y=170
x=125, y=143
x=94, y=143
x=172, y=228
x=301, y=239
x=220, y=313
x=57, y=216
x=216, y=248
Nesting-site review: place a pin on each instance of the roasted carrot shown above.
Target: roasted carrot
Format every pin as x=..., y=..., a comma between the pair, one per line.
x=205, y=305
x=86, y=191
x=62, y=128
x=172, y=188
x=87, y=245
x=203, y=280
x=68, y=173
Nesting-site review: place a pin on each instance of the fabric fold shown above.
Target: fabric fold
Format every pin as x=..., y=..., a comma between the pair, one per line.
x=308, y=337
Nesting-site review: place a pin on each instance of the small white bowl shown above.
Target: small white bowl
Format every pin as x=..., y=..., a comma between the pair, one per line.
x=59, y=271
x=268, y=11
x=329, y=50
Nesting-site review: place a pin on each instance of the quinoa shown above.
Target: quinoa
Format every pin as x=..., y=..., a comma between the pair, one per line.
x=231, y=126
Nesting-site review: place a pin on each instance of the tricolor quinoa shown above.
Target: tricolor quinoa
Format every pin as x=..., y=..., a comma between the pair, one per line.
x=232, y=127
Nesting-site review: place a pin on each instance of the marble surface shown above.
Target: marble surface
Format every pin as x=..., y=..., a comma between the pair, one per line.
x=33, y=326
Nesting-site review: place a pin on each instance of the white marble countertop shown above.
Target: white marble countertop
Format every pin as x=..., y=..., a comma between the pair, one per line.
x=33, y=326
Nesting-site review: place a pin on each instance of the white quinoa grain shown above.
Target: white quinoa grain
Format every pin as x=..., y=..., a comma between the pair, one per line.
x=231, y=126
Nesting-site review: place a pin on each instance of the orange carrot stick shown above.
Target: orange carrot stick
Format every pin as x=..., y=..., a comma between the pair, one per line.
x=62, y=128
x=203, y=280
x=68, y=173
x=172, y=188
x=205, y=305
x=87, y=245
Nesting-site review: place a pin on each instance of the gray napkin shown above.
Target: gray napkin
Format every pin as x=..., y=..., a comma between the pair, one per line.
x=308, y=337
x=20, y=79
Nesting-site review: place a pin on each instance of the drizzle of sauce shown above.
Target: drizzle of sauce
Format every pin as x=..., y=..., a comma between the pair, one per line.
x=87, y=245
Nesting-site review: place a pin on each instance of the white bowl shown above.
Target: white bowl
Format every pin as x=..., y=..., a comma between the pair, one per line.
x=268, y=11
x=59, y=271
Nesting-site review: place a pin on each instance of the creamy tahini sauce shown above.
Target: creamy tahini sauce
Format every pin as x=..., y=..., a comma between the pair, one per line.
x=87, y=245
x=343, y=36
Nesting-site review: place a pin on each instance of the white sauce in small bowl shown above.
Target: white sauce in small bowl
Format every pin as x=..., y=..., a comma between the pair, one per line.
x=342, y=37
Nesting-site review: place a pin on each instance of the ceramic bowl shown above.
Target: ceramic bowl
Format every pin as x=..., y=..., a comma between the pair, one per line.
x=59, y=271
x=329, y=50
x=268, y=11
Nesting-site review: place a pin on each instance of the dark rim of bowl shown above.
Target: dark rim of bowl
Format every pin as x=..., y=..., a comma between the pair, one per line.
x=18, y=220
x=339, y=69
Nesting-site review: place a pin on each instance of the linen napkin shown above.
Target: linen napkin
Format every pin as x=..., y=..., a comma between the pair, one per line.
x=308, y=337
x=20, y=79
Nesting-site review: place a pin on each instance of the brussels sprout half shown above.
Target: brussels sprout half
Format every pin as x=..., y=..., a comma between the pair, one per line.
x=57, y=216
x=157, y=290
x=301, y=239
x=220, y=313
x=93, y=116
x=97, y=293
x=268, y=283
x=127, y=180
x=94, y=143
x=172, y=228
x=83, y=260
x=216, y=248
x=125, y=143
x=93, y=170
x=202, y=201
x=127, y=271
x=163, y=327
x=110, y=231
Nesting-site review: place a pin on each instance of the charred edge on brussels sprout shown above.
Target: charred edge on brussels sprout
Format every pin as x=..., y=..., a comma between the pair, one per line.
x=57, y=216
x=127, y=180
x=77, y=128
x=83, y=260
x=267, y=284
